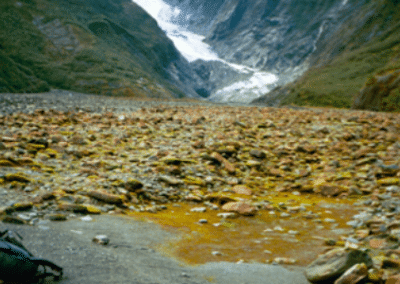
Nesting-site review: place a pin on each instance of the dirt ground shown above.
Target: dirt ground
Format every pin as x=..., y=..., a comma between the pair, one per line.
x=130, y=256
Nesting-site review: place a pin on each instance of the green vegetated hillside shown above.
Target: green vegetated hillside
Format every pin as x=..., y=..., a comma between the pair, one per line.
x=109, y=47
x=364, y=50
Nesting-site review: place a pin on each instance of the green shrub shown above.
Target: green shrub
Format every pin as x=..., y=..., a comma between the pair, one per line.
x=392, y=102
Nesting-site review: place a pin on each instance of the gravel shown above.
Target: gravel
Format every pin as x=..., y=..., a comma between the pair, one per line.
x=62, y=100
x=131, y=257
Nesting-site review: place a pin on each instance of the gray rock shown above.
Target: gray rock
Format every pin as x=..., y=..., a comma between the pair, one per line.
x=101, y=240
x=330, y=266
x=27, y=216
x=393, y=188
x=355, y=223
x=226, y=215
x=355, y=274
x=198, y=209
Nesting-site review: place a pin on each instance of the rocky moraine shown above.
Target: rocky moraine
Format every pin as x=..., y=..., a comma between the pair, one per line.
x=242, y=184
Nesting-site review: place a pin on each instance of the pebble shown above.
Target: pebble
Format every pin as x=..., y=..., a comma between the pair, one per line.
x=105, y=197
x=199, y=209
x=87, y=219
x=226, y=215
x=27, y=216
x=354, y=223
x=377, y=243
x=389, y=181
x=13, y=220
x=101, y=240
x=184, y=274
x=284, y=260
x=91, y=161
x=171, y=180
x=279, y=229
x=57, y=217
x=258, y=154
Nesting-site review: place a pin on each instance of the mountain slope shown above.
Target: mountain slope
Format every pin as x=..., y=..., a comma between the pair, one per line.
x=341, y=44
x=109, y=47
x=336, y=46
x=272, y=35
x=366, y=46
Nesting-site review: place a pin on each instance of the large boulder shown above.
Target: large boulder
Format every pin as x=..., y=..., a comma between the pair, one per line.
x=330, y=266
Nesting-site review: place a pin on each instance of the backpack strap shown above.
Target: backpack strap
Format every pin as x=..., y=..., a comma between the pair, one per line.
x=46, y=263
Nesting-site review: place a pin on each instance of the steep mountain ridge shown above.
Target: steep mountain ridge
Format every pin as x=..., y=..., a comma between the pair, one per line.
x=196, y=15
x=272, y=35
x=364, y=48
x=331, y=48
x=109, y=47
x=326, y=53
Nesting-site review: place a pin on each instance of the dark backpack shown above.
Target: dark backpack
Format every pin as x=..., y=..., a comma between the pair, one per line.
x=17, y=264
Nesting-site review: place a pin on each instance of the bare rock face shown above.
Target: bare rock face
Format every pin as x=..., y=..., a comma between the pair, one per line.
x=380, y=93
x=62, y=36
x=330, y=266
x=266, y=34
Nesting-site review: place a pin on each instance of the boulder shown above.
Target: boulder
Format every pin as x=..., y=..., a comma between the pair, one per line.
x=106, y=197
x=330, y=266
x=240, y=207
x=354, y=275
x=133, y=185
x=242, y=189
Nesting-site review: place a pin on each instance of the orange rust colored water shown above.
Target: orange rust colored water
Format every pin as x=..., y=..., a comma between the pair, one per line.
x=250, y=238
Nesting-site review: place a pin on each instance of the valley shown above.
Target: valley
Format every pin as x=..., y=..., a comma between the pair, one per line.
x=237, y=185
x=271, y=53
x=226, y=141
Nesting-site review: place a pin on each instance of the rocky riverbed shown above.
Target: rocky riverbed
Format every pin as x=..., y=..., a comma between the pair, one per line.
x=239, y=184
